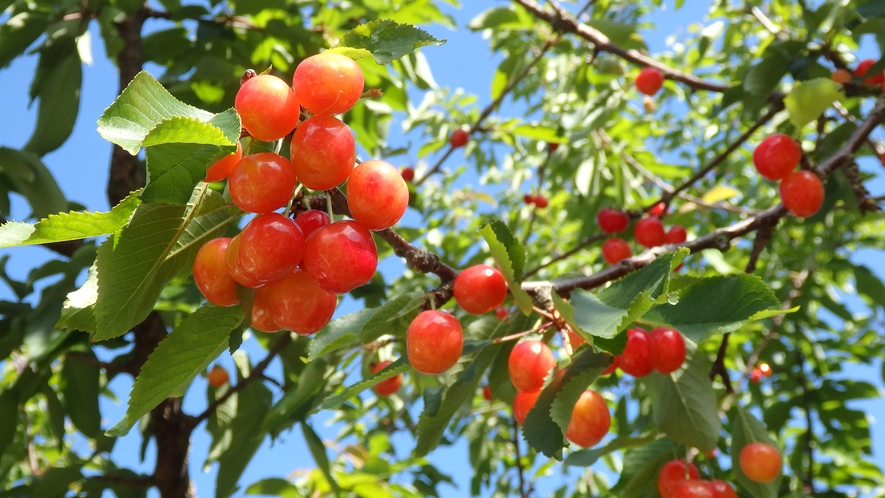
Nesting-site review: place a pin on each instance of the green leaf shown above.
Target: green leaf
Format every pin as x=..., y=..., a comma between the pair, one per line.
x=9, y=415
x=57, y=84
x=764, y=77
x=510, y=256
x=80, y=391
x=78, y=310
x=384, y=40
x=538, y=132
x=318, y=450
x=684, y=404
x=245, y=435
x=499, y=18
x=55, y=482
x=585, y=368
x=717, y=305
x=18, y=33
x=183, y=354
x=586, y=458
x=274, y=486
x=809, y=99
x=399, y=366
x=869, y=285
x=72, y=225
x=296, y=403
x=641, y=467
x=29, y=177
x=622, y=34
x=746, y=429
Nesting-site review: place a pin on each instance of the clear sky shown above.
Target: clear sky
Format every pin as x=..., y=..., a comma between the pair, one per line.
x=80, y=167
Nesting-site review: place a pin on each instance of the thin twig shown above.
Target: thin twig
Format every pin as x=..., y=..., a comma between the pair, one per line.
x=520, y=470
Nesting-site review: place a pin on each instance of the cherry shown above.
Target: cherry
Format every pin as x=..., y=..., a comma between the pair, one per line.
x=612, y=220
x=328, y=83
x=487, y=393
x=217, y=377
x=530, y=362
x=776, y=156
x=323, y=152
x=268, y=107
x=669, y=349
x=528, y=198
x=298, y=304
x=841, y=76
x=271, y=246
x=539, y=201
x=312, y=220
x=459, y=138
x=233, y=267
x=658, y=209
x=722, y=489
x=377, y=195
x=614, y=250
x=341, y=257
x=590, y=420
x=760, y=462
x=523, y=402
x=388, y=386
x=755, y=376
x=674, y=472
x=616, y=362
x=434, y=341
x=501, y=313
x=637, y=359
x=649, y=232
x=575, y=340
x=802, y=193
x=649, y=81
x=211, y=275
x=864, y=67
x=765, y=368
x=693, y=489
x=408, y=174
x=222, y=168
x=552, y=146
x=262, y=320
x=480, y=289
x=261, y=183
x=676, y=235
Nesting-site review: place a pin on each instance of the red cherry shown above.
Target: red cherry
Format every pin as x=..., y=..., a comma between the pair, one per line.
x=523, y=402
x=388, y=386
x=841, y=76
x=268, y=107
x=755, y=376
x=341, y=257
x=529, y=363
x=649, y=81
x=377, y=195
x=222, y=168
x=233, y=267
x=676, y=235
x=658, y=209
x=864, y=67
x=312, y=220
x=408, y=174
x=674, y=472
x=211, y=275
x=434, y=341
x=612, y=220
x=776, y=156
x=552, y=146
x=649, y=232
x=261, y=183
x=802, y=193
x=614, y=250
x=217, y=377
x=637, y=359
x=575, y=340
x=261, y=317
x=487, y=393
x=528, y=198
x=590, y=420
x=480, y=289
x=722, y=489
x=502, y=314
x=765, y=368
x=668, y=347
x=298, y=304
x=693, y=489
x=540, y=201
x=616, y=362
x=271, y=246
x=760, y=462
x=459, y=138
x=323, y=152
x=328, y=83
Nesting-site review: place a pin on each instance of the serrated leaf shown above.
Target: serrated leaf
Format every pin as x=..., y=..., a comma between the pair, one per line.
x=809, y=99
x=510, y=256
x=684, y=404
x=641, y=467
x=57, y=84
x=32, y=179
x=587, y=457
x=78, y=310
x=745, y=430
x=80, y=391
x=717, y=305
x=72, y=225
x=590, y=364
x=246, y=437
x=397, y=367
x=318, y=450
x=385, y=40
x=339, y=333
x=183, y=354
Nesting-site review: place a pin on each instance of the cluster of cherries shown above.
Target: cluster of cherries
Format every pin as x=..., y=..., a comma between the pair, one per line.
x=775, y=158
x=759, y=371
x=863, y=67
x=299, y=265
x=648, y=232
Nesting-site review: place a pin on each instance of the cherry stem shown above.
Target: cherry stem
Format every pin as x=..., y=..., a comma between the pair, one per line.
x=278, y=146
x=329, y=209
x=432, y=301
x=524, y=333
x=292, y=200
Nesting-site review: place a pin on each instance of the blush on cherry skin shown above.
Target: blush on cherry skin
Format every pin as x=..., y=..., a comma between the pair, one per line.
x=377, y=195
x=341, y=257
x=211, y=275
x=261, y=183
x=523, y=402
x=674, y=472
x=668, y=347
x=802, y=193
x=480, y=289
x=434, y=341
x=637, y=359
x=776, y=156
x=676, y=235
x=389, y=386
x=298, y=304
x=312, y=220
x=693, y=489
x=262, y=320
x=459, y=138
x=590, y=420
x=722, y=489
x=222, y=168
x=761, y=462
x=271, y=246
x=217, y=377
x=649, y=81
x=529, y=363
x=268, y=107
x=649, y=232
x=658, y=209
x=323, y=152
x=328, y=83
x=612, y=220
x=614, y=250
x=864, y=67
x=233, y=267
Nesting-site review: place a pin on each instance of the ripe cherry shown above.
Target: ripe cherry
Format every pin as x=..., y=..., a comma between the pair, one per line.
x=776, y=156
x=434, y=341
x=760, y=462
x=233, y=267
x=377, y=195
x=693, y=489
x=637, y=359
x=668, y=348
x=312, y=220
x=575, y=340
x=268, y=107
x=722, y=489
x=298, y=304
x=802, y=193
x=590, y=420
x=674, y=472
x=552, y=146
x=539, y=201
x=528, y=198
x=530, y=362
x=864, y=67
x=755, y=376
x=612, y=220
x=217, y=377
x=261, y=183
x=222, y=168
x=616, y=362
x=765, y=368
x=658, y=209
x=341, y=257
x=408, y=174
x=388, y=386
x=271, y=246
x=211, y=275
x=262, y=320
x=480, y=289
x=323, y=152
x=523, y=402
x=487, y=393
x=328, y=83
x=614, y=250
x=459, y=138
x=649, y=232
x=501, y=313
x=842, y=76
x=676, y=235
x=649, y=81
